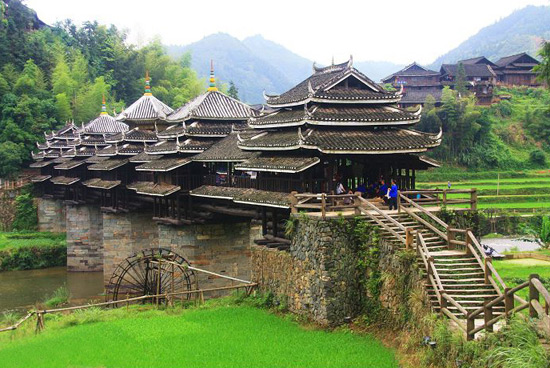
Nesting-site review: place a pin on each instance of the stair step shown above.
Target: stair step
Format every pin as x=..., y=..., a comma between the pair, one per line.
x=444, y=281
x=440, y=264
x=467, y=286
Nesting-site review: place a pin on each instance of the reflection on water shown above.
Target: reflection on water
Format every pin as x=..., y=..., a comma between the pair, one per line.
x=20, y=289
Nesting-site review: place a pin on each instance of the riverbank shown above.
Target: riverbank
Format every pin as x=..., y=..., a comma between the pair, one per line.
x=32, y=250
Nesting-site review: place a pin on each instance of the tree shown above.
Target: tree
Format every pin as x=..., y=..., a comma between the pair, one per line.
x=63, y=107
x=26, y=217
x=543, y=69
x=233, y=91
x=460, y=84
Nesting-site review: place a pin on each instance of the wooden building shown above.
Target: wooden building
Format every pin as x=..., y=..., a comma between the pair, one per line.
x=417, y=83
x=480, y=79
x=517, y=70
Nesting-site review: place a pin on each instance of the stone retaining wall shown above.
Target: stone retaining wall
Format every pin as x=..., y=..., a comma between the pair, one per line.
x=51, y=215
x=84, y=238
x=318, y=277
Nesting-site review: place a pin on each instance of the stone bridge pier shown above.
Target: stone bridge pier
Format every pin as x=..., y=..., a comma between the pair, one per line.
x=84, y=238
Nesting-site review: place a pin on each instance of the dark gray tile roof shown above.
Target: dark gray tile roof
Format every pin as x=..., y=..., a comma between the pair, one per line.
x=68, y=165
x=64, y=180
x=472, y=70
x=225, y=149
x=153, y=189
x=244, y=195
x=134, y=135
x=69, y=127
x=196, y=145
x=143, y=157
x=285, y=164
x=60, y=160
x=108, y=165
x=52, y=153
x=173, y=131
x=503, y=62
x=345, y=141
x=85, y=151
x=40, y=178
x=104, y=124
x=96, y=159
x=164, y=164
x=93, y=140
x=354, y=94
x=146, y=108
x=212, y=129
x=411, y=70
x=321, y=79
x=130, y=149
x=101, y=184
x=162, y=147
x=212, y=105
x=41, y=163
x=64, y=144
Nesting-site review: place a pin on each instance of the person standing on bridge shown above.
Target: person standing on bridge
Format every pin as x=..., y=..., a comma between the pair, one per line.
x=392, y=195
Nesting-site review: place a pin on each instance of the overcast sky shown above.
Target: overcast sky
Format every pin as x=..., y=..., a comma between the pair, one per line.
x=399, y=31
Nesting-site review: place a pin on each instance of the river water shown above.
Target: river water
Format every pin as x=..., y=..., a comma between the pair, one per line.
x=21, y=290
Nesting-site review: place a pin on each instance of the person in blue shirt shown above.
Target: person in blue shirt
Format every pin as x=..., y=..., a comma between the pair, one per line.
x=392, y=194
x=383, y=191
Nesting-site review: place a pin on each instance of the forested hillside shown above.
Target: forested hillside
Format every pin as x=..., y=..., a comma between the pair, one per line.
x=521, y=31
x=512, y=134
x=49, y=75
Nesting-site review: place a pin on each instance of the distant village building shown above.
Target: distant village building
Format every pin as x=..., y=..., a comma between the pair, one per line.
x=481, y=76
x=417, y=82
x=517, y=70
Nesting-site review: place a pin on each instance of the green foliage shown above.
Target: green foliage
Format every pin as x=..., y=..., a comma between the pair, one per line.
x=233, y=91
x=545, y=231
x=220, y=334
x=537, y=157
x=51, y=75
x=59, y=297
x=543, y=69
x=26, y=216
x=30, y=250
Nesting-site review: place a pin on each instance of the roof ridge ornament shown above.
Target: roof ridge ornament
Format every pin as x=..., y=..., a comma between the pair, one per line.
x=147, y=84
x=212, y=87
x=400, y=93
x=440, y=134
x=350, y=62
x=419, y=111
x=310, y=89
x=103, y=106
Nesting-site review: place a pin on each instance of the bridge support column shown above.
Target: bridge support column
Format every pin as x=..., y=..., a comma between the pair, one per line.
x=123, y=235
x=84, y=238
x=51, y=215
x=222, y=248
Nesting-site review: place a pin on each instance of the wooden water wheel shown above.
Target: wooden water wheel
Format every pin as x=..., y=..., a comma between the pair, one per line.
x=152, y=272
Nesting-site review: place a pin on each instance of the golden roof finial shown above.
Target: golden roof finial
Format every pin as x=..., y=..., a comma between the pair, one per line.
x=212, y=86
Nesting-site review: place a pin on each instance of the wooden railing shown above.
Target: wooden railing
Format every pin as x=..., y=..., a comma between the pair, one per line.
x=440, y=197
x=324, y=202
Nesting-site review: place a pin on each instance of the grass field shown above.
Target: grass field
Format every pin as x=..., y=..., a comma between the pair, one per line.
x=516, y=271
x=523, y=190
x=219, y=336
x=34, y=239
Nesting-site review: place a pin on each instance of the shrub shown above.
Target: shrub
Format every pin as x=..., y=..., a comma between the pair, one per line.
x=59, y=297
x=545, y=231
x=26, y=217
x=537, y=157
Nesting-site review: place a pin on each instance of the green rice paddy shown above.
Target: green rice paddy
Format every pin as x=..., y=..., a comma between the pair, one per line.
x=516, y=271
x=221, y=336
x=530, y=191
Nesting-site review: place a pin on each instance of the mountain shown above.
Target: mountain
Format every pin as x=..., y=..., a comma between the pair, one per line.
x=234, y=61
x=521, y=31
x=256, y=64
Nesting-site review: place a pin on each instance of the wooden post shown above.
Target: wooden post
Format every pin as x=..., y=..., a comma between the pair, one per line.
x=487, y=270
x=293, y=202
x=39, y=322
x=398, y=201
x=445, y=197
x=467, y=240
x=470, y=325
x=473, y=199
x=450, y=238
x=408, y=238
x=442, y=302
x=356, y=203
x=533, y=295
x=323, y=206
x=508, y=301
x=487, y=313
